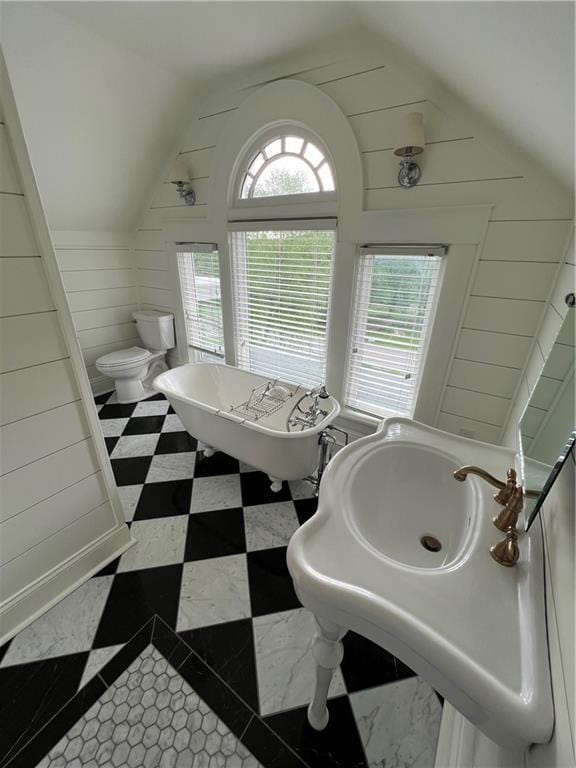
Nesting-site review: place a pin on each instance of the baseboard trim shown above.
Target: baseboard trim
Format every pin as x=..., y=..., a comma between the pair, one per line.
x=24, y=608
x=101, y=385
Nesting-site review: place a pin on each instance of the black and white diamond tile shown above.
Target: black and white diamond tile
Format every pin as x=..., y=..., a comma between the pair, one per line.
x=210, y=562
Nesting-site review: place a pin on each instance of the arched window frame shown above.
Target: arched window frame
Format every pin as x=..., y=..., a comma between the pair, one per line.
x=257, y=145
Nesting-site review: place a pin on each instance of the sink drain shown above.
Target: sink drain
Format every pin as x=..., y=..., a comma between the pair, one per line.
x=431, y=543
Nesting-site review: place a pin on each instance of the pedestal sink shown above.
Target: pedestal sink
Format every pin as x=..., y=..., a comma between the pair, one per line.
x=399, y=552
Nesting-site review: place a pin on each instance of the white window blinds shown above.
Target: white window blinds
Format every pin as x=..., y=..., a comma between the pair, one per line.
x=199, y=271
x=393, y=305
x=281, y=288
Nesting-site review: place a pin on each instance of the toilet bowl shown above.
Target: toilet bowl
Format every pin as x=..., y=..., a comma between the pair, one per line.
x=134, y=369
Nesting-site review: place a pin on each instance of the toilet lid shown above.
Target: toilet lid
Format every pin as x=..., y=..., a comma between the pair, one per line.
x=124, y=357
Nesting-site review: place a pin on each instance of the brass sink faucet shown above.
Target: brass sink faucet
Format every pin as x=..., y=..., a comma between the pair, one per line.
x=511, y=497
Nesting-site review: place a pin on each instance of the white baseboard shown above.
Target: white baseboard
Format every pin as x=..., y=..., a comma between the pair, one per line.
x=24, y=608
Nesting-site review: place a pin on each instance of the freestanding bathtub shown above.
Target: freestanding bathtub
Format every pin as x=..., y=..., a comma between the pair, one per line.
x=208, y=398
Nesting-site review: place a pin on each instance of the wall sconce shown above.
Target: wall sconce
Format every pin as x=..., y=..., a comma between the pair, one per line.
x=180, y=176
x=411, y=143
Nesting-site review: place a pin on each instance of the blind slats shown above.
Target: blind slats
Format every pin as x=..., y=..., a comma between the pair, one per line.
x=281, y=286
x=394, y=300
x=199, y=272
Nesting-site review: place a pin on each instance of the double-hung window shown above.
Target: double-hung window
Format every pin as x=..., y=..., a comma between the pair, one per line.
x=394, y=300
x=281, y=278
x=199, y=272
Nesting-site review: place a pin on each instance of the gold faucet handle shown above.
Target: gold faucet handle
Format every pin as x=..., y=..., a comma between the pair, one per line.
x=505, y=494
x=508, y=517
x=506, y=552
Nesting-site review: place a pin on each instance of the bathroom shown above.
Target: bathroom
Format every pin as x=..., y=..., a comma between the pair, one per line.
x=270, y=274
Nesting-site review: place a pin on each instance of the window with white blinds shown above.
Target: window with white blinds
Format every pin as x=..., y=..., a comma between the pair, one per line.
x=199, y=271
x=281, y=287
x=395, y=295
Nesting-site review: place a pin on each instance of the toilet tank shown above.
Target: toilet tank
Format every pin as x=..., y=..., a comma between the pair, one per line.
x=156, y=329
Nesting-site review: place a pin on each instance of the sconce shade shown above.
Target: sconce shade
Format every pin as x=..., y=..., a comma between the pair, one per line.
x=180, y=171
x=411, y=135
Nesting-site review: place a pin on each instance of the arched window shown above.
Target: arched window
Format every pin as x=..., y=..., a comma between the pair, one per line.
x=286, y=165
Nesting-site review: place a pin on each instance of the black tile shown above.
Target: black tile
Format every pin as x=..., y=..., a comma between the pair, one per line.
x=108, y=570
x=170, y=645
x=365, y=664
x=403, y=670
x=30, y=694
x=268, y=748
x=134, y=598
x=228, y=649
x=131, y=471
x=218, y=464
x=3, y=649
x=117, y=411
x=111, y=443
x=101, y=399
x=45, y=739
x=215, y=534
x=219, y=696
x=158, y=396
x=305, y=508
x=176, y=442
x=271, y=588
x=143, y=425
x=122, y=660
x=337, y=746
x=171, y=410
x=164, y=500
x=256, y=490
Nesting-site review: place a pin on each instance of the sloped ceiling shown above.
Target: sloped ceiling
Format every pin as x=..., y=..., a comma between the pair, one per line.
x=104, y=88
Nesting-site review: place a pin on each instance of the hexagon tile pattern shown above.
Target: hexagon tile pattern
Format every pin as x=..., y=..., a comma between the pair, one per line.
x=149, y=717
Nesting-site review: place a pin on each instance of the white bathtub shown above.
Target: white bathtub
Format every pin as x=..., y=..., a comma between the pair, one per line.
x=202, y=395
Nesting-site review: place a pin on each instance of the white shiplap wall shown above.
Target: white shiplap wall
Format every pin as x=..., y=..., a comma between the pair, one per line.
x=520, y=257
x=59, y=518
x=100, y=281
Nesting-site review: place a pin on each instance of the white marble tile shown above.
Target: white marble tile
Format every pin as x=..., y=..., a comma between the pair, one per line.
x=135, y=445
x=301, y=489
x=129, y=496
x=270, y=525
x=285, y=665
x=152, y=408
x=171, y=466
x=172, y=423
x=96, y=661
x=220, y=492
x=158, y=542
x=113, y=399
x=213, y=591
x=398, y=723
x=113, y=427
x=67, y=627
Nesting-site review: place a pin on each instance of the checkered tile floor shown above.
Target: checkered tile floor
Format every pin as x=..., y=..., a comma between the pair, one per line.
x=210, y=560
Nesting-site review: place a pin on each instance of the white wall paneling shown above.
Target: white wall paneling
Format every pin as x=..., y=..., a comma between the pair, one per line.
x=60, y=513
x=463, y=165
x=101, y=286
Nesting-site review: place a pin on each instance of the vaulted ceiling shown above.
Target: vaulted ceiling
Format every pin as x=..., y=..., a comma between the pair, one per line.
x=104, y=88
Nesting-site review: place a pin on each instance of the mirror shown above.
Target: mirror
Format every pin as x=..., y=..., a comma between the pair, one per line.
x=547, y=431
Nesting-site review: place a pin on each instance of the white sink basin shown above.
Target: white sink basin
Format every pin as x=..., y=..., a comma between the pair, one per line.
x=473, y=629
x=402, y=501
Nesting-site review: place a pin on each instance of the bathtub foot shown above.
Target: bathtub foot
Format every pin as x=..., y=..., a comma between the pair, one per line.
x=276, y=484
x=208, y=452
x=328, y=652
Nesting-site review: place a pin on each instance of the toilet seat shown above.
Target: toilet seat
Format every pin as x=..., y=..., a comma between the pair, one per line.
x=124, y=358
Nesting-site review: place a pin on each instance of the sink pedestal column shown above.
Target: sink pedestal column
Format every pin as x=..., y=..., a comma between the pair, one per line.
x=328, y=652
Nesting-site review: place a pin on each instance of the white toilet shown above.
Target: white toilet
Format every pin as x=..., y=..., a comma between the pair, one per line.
x=134, y=369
